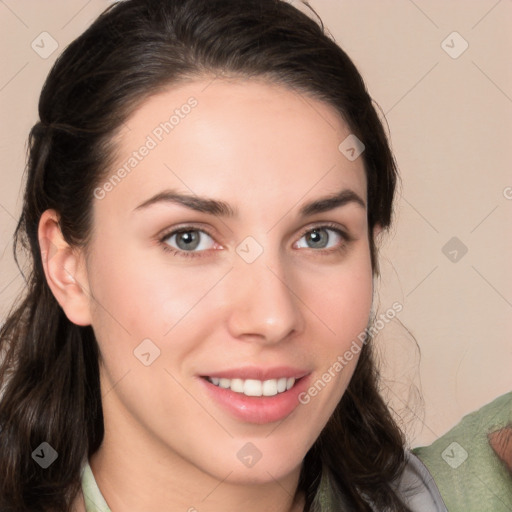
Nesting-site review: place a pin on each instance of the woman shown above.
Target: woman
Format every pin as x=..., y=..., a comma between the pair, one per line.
x=204, y=189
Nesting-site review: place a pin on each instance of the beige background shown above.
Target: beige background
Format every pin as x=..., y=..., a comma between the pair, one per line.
x=450, y=121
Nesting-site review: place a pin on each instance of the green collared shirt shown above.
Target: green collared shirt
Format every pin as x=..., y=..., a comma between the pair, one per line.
x=469, y=474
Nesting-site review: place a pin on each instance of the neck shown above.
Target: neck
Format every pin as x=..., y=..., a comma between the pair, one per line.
x=134, y=479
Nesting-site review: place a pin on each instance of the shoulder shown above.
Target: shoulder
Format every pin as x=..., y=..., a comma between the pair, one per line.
x=469, y=474
x=417, y=487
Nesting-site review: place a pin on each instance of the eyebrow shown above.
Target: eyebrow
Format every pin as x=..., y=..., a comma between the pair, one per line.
x=223, y=209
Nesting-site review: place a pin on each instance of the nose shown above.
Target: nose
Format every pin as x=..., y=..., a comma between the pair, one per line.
x=263, y=306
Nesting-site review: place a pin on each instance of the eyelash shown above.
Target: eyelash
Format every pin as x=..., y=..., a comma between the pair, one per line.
x=191, y=254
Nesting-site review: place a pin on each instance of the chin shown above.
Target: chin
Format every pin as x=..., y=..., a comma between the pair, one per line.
x=262, y=474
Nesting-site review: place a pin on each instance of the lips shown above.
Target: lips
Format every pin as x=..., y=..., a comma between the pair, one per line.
x=257, y=395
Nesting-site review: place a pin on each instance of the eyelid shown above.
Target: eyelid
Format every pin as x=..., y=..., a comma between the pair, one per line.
x=330, y=225
x=167, y=232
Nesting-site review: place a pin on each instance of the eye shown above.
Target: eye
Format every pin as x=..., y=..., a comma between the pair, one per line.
x=186, y=240
x=324, y=237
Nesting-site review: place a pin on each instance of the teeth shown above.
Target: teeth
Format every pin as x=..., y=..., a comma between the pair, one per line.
x=224, y=383
x=252, y=387
x=269, y=388
x=237, y=385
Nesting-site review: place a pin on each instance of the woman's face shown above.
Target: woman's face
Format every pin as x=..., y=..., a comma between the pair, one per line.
x=262, y=293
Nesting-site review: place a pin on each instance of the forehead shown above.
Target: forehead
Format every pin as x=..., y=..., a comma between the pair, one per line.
x=236, y=139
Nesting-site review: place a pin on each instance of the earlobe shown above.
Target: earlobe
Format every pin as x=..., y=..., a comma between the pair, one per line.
x=64, y=269
x=377, y=230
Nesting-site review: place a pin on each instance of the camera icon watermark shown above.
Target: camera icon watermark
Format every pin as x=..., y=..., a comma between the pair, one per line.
x=44, y=45
x=249, y=455
x=351, y=147
x=454, y=249
x=45, y=455
x=454, y=45
x=249, y=249
x=146, y=352
x=454, y=455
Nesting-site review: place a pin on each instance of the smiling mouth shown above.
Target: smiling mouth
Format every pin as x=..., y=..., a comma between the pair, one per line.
x=253, y=387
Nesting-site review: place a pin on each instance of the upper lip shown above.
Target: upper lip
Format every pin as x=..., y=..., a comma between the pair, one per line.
x=259, y=373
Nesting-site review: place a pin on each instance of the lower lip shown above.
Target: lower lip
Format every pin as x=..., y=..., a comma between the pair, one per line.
x=257, y=409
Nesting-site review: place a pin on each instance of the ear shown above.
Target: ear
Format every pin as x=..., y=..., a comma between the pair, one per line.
x=65, y=270
x=377, y=230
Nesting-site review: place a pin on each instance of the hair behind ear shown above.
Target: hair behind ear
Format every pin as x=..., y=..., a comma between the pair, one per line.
x=53, y=397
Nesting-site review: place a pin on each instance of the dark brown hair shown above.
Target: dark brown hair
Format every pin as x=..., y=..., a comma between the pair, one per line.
x=49, y=376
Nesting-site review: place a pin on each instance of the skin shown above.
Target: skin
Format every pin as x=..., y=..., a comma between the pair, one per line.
x=266, y=151
x=501, y=443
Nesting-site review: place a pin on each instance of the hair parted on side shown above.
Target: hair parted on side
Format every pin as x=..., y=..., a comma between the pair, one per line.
x=49, y=374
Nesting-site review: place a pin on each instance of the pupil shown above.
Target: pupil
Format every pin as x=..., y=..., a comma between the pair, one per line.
x=188, y=238
x=316, y=237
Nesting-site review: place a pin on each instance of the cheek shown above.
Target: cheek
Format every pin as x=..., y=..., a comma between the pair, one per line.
x=343, y=301
x=343, y=308
x=347, y=304
x=135, y=299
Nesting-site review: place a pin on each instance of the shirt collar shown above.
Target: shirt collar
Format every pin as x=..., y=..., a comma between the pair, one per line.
x=94, y=500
